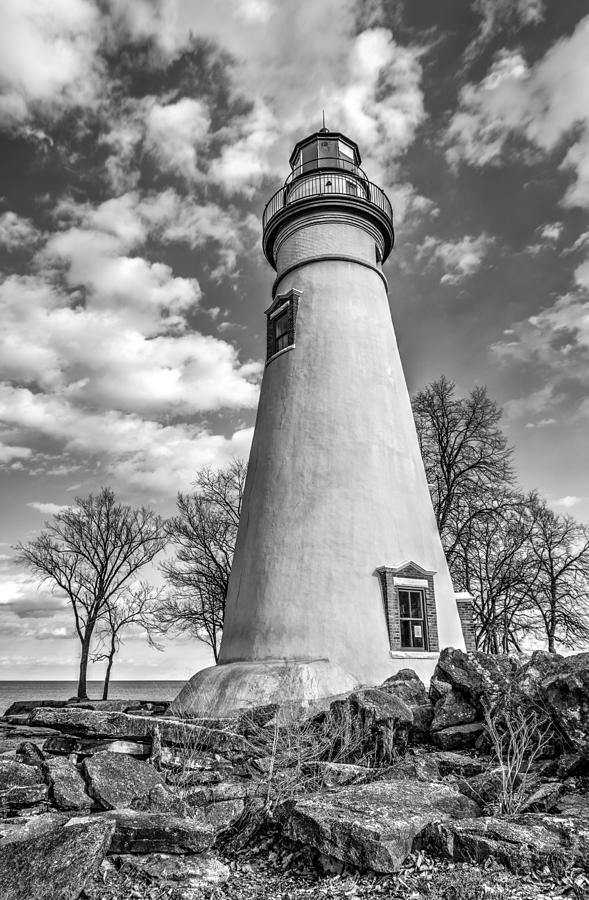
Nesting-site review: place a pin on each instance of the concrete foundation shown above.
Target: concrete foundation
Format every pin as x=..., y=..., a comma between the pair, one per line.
x=225, y=690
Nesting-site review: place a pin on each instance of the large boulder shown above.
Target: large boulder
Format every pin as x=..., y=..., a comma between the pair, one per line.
x=453, y=709
x=520, y=842
x=367, y=726
x=451, y=763
x=481, y=677
x=67, y=787
x=565, y=694
x=118, y=781
x=373, y=826
x=407, y=686
x=50, y=861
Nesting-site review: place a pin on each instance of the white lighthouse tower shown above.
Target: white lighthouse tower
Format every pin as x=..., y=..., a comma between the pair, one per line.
x=339, y=577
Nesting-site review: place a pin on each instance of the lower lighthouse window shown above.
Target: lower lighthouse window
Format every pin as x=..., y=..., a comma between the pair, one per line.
x=412, y=619
x=280, y=328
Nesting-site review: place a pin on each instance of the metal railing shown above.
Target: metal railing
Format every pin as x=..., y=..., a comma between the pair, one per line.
x=315, y=183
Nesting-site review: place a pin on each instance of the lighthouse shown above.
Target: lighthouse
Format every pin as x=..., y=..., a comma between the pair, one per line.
x=339, y=577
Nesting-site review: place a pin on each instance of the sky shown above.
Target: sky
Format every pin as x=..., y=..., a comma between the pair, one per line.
x=140, y=141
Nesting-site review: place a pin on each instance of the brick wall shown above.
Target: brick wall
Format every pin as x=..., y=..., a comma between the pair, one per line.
x=466, y=614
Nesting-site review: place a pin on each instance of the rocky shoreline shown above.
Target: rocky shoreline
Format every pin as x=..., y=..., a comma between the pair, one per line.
x=478, y=787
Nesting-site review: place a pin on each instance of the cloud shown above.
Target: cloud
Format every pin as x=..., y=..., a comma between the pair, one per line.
x=48, y=58
x=16, y=232
x=47, y=509
x=459, y=259
x=173, y=133
x=500, y=15
x=545, y=105
x=551, y=232
x=541, y=423
x=568, y=502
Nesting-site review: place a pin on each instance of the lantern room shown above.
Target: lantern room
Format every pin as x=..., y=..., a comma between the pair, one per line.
x=325, y=150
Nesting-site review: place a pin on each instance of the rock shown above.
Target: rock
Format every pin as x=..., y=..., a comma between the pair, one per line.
x=453, y=709
x=373, y=826
x=437, y=688
x=570, y=764
x=520, y=842
x=14, y=773
x=23, y=795
x=544, y=798
x=52, y=862
x=189, y=872
x=459, y=737
x=565, y=694
x=459, y=764
x=160, y=799
x=527, y=679
x=116, y=781
x=407, y=686
x=478, y=676
x=421, y=767
x=28, y=753
x=119, y=725
x=369, y=725
x=147, y=832
x=67, y=787
x=485, y=789
x=332, y=775
x=62, y=744
x=20, y=785
x=219, y=815
x=26, y=706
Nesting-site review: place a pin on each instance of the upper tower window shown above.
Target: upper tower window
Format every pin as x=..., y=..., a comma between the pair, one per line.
x=281, y=318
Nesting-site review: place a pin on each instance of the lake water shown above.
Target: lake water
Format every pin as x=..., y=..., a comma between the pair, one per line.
x=63, y=690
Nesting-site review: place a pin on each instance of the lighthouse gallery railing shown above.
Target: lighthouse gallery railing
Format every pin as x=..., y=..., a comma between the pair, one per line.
x=315, y=184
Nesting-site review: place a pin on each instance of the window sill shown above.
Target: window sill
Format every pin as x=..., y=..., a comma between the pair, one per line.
x=414, y=654
x=279, y=353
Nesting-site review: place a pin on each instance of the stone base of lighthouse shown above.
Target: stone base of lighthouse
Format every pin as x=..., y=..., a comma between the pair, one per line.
x=223, y=690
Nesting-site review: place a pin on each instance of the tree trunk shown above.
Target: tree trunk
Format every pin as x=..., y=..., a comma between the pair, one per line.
x=111, y=656
x=82, y=688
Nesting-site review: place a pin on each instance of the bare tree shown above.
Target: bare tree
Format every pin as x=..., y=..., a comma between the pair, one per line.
x=203, y=533
x=493, y=562
x=560, y=590
x=465, y=453
x=92, y=552
x=136, y=605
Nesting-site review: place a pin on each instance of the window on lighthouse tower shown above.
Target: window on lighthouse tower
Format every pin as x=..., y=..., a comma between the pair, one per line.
x=281, y=331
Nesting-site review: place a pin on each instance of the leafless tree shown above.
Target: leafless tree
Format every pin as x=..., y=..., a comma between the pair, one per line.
x=134, y=606
x=203, y=533
x=560, y=590
x=493, y=561
x=465, y=453
x=92, y=552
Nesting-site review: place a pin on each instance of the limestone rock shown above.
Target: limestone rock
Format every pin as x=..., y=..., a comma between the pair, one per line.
x=451, y=763
x=190, y=872
x=479, y=676
x=459, y=737
x=334, y=775
x=545, y=798
x=373, y=826
x=369, y=725
x=68, y=789
x=421, y=767
x=520, y=842
x=147, y=832
x=53, y=862
x=453, y=709
x=219, y=815
x=224, y=790
x=30, y=754
x=20, y=785
x=408, y=687
x=116, y=780
x=119, y=725
x=565, y=693
x=62, y=744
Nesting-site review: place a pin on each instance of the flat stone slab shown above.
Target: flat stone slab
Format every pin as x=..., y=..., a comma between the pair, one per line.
x=190, y=871
x=521, y=842
x=146, y=832
x=93, y=723
x=373, y=826
x=49, y=861
x=116, y=780
x=458, y=737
